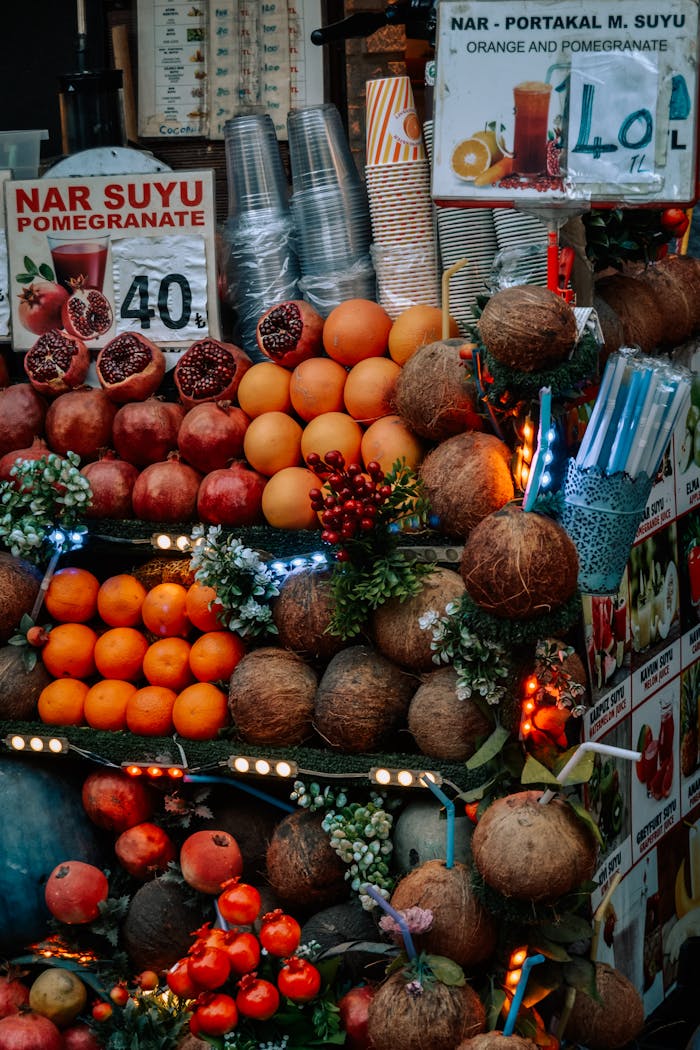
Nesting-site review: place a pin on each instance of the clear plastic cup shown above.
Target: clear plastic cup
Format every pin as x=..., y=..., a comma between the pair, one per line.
x=319, y=151
x=332, y=226
x=254, y=170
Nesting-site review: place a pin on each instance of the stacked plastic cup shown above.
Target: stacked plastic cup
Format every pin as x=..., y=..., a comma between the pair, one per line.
x=330, y=210
x=262, y=267
x=398, y=186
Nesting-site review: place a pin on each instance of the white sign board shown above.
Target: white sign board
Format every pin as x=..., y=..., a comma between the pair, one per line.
x=554, y=101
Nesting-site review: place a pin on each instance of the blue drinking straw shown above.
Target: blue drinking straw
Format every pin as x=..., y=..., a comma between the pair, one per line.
x=629, y=420
x=450, y=808
x=537, y=467
x=532, y=960
x=374, y=893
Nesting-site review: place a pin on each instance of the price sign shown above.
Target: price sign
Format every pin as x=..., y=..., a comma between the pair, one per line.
x=143, y=243
x=553, y=104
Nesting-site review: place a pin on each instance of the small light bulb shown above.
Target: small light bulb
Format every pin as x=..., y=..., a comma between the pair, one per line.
x=527, y=431
x=404, y=778
x=163, y=542
x=546, y=478
x=262, y=767
x=182, y=543
x=517, y=958
x=529, y=706
x=18, y=743
x=283, y=769
x=382, y=776
x=55, y=746
x=551, y=435
x=527, y=727
x=175, y=772
x=36, y=743
x=134, y=771
x=531, y=684
x=512, y=977
x=241, y=765
x=154, y=771
x=548, y=457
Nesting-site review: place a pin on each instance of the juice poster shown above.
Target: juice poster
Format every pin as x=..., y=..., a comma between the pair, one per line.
x=542, y=103
x=99, y=256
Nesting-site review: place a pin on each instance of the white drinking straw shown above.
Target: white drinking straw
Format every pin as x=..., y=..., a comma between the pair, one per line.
x=675, y=410
x=600, y=422
x=589, y=745
x=641, y=453
x=642, y=425
x=602, y=397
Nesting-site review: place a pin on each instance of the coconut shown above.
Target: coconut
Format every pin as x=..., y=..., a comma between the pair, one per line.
x=437, y=1019
x=435, y=393
x=303, y=611
x=528, y=328
x=157, y=928
x=165, y=569
x=685, y=271
x=611, y=327
x=637, y=307
x=497, y=1041
x=395, y=624
x=673, y=300
x=302, y=867
x=518, y=565
x=339, y=924
x=361, y=700
x=420, y=834
x=19, y=586
x=467, y=477
x=443, y=725
x=530, y=851
x=249, y=821
x=19, y=688
x=615, y=1020
x=271, y=697
x=462, y=929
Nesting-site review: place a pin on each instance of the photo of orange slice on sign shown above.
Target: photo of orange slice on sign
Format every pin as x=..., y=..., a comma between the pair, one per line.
x=470, y=158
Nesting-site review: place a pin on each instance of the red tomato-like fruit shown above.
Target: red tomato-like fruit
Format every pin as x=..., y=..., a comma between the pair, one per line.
x=29, y=1031
x=144, y=850
x=101, y=1011
x=179, y=981
x=74, y=891
x=280, y=934
x=208, y=859
x=243, y=951
x=208, y=967
x=79, y=1037
x=119, y=994
x=216, y=1014
x=115, y=801
x=354, y=1007
x=239, y=903
x=147, y=980
x=674, y=221
x=257, y=998
x=299, y=980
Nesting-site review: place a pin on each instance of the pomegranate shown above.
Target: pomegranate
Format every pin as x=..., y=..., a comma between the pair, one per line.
x=29, y=1031
x=86, y=312
x=40, y=305
x=81, y=422
x=210, y=371
x=353, y=1008
x=166, y=491
x=231, y=496
x=112, y=481
x=145, y=431
x=144, y=850
x=115, y=801
x=130, y=367
x=290, y=333
x=74, y=890
x=37, y=450
x=211, y=435
x=208, y=858
x=4, y=372
x=22, y=416
x=56, y=363
x=79, y=1037
x=13, y=993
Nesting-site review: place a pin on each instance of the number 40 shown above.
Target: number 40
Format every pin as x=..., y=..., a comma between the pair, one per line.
x=597, y=147
x=136, y=301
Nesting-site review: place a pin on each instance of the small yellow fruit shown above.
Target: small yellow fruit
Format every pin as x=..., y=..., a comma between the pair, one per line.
x=58, y=994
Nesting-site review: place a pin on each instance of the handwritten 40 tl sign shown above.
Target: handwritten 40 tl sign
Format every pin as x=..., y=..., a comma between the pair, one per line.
x=145, y=242
x=557, y=101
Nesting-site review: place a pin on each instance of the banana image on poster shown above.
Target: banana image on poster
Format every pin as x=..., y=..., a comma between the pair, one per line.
x=687, y=898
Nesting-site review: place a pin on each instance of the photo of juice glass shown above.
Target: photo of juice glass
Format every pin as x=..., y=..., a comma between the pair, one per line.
x=531, y=102
x=79, y=261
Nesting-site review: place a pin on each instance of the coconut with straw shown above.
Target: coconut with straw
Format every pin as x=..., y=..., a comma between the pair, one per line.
x=433, y=1016
x=497, y=1041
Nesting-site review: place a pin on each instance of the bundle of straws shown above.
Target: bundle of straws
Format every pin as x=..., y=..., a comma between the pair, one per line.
x=639, y=402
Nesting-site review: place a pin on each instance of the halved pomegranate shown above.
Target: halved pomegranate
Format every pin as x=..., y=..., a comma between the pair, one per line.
x=130, y=367
x=290, y=333
x=87, y=312
x=56, y=363
x=210, y=371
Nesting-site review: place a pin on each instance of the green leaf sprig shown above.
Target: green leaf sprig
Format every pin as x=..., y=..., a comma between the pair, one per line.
x=31, y=271
x=484, y=670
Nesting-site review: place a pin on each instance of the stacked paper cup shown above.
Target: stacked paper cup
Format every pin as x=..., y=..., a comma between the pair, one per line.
x=261, y=264
x=330, y=210
x=398, y=187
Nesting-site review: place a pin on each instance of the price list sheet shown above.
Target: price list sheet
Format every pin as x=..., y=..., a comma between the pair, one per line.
x=172, y=61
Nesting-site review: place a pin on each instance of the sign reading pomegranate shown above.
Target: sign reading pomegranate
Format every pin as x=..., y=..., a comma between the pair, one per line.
x=99, y=256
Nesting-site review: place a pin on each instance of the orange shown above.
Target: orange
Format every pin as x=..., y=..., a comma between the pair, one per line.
x=285, y=499
x=164, y=611
x=167, y=662
x=202, y=607
x=317, y=386
x=149, y=712
x=69, y=652
x=61, y=703
x=119, y=653
x=105, y=704
x=265, y=388
x=330, y=431
x=356, y=329
x=272, y=442
x=119, y=600
x=72, y=595
x=389, y=440
x=369, y=389
x=415, y=327
x=471, y=158
x=214, y=655
x=200, y=711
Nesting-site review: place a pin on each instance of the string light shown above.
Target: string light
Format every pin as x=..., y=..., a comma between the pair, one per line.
x=406, y=778
x=262, y=767
x=56, y=745
x=154, y=770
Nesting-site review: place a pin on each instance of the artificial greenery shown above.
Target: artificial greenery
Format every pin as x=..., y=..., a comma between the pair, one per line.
x=618, y=235
x=509, y=386
x=147, y=1022
x=514, y=632
x=555, y=684
x=244, y=584
x=42, y=496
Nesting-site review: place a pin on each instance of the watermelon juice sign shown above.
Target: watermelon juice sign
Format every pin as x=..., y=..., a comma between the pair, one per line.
x=556, y=102
x=137, y=250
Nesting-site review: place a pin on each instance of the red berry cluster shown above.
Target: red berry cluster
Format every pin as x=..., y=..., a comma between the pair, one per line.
x=350, y=500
